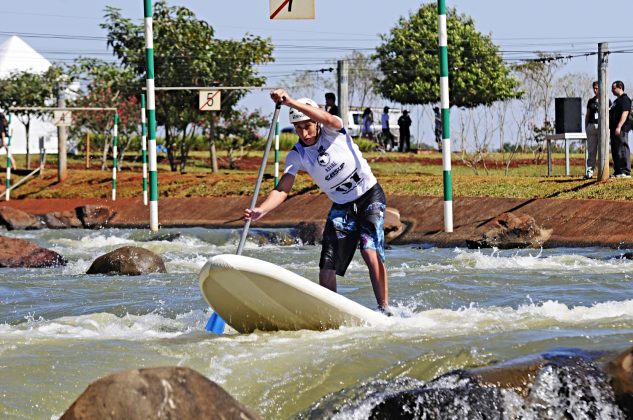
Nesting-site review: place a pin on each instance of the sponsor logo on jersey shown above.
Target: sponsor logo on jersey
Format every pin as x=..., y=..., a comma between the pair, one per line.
x=334, y=172
x=324, y=157
x=349, y=183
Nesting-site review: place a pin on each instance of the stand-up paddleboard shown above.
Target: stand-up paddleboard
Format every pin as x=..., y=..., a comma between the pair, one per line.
x=251, y=294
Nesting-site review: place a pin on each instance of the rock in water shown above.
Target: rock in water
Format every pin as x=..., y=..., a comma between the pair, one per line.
x=27, y=254
x=94, y=216
x=15, y=219
x=511, y=231
x=128, y=261
x=157, y=393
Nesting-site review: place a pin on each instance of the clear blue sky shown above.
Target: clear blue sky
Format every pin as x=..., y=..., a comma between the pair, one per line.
x=519, y=27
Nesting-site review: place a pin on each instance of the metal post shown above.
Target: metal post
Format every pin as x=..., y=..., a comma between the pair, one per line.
x=115, y=144
x=446, y=116
x=277, y=130
x=87, y=149
x=7, y=192
x=144, y=147
x=61, y=139
x=603, y=112
x=151, y=116
x=343, y=91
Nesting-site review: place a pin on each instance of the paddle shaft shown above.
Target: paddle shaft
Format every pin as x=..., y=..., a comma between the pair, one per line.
x=262, y=168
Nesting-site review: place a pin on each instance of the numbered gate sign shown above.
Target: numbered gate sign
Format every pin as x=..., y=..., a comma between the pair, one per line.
x=209, y=100
x=291, y=9
x=62, y=118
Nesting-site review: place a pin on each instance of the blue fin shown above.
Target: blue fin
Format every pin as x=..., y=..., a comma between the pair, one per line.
x=215, y=324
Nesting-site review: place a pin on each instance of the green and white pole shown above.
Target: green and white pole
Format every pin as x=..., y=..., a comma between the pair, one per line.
x=115, y=152
x=277, y=130
x=446, y=116
x=7, y=191
x=151, y=116
x=144, y=148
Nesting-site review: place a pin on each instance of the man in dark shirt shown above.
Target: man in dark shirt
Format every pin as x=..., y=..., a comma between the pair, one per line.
x=404, y=122
x=330, y=105
x=619, y=127
x=591, y=129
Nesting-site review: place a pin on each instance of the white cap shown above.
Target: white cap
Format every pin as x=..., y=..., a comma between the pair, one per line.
x=295, y=115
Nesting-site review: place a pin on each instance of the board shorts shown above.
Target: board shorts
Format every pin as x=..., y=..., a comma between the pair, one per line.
x=363, y=221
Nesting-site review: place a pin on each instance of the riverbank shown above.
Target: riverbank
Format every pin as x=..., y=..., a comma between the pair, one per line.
x=574, y=223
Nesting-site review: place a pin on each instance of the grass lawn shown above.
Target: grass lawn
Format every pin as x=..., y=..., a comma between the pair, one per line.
x=399, y=173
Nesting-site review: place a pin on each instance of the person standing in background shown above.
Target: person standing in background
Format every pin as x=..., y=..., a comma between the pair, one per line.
x=619, y=127
x=4, y=137
x=591, y=129
x=404, y=122
x=330, y=104
x=438, y=128
x=368, y=123
x=388, y=138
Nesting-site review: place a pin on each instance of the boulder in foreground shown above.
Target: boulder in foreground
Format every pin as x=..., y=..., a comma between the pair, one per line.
x=128, y=261
x=20, y=253
x=157, y=393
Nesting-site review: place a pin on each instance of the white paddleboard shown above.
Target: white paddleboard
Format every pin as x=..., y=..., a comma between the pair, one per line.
x=251, y=294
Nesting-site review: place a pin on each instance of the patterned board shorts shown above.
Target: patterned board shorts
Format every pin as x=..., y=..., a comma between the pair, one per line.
x=348, y=224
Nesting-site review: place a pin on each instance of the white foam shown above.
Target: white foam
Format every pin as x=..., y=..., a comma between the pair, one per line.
x=105, y=326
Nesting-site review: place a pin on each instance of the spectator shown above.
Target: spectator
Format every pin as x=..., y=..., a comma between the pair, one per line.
x=591, y=128
x=619, y=127
x=367, y=129
x=388, y=138
x=404, y=122
x=330, y=104
x=438, y=128
x=4, y=137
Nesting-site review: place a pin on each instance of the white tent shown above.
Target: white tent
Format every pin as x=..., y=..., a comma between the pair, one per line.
x=17, y=56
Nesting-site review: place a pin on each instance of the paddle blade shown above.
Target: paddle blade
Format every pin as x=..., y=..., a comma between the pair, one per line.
x=215, y=324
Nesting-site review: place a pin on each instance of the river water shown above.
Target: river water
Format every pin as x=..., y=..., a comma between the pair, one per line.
x=61, y=329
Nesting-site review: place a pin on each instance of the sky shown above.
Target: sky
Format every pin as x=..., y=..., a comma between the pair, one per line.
x=62, y=30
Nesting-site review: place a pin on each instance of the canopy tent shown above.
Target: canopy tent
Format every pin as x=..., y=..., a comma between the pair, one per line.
x=18, y=56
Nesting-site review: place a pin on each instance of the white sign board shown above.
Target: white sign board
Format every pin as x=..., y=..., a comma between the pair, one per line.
x=209, y=100
x=291, y=9
x=62, y=118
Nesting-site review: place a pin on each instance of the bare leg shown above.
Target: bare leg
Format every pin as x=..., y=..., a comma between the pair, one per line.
x=327, y=279
x=378, y=276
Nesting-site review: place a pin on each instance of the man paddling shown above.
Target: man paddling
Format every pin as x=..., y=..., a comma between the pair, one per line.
x=335, y=163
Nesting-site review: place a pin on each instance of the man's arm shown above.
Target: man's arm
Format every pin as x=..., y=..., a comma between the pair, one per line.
x=274, y=199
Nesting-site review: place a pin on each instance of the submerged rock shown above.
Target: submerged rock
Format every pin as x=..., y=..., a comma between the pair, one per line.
x=562, y=384
x=14, y=219
x=128, y=261
x=157, y=393
x=20, y=253
x=511, y=231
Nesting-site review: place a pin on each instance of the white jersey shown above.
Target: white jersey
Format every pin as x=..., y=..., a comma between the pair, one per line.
x=335, y=163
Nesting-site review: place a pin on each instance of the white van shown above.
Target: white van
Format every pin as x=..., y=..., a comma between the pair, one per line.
x=355, y=121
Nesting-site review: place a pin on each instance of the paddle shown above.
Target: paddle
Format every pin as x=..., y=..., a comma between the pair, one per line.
x=216, y=324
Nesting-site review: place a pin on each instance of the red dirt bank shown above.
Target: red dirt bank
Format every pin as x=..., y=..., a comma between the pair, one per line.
x=574, y=222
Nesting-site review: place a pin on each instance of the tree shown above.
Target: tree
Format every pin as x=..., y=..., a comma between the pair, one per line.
x=408, y=60
x=239, y=130
x=186, y=54
x=107, y=86
x=26, y=89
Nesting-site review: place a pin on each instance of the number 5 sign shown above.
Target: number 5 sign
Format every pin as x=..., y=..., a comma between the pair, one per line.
x=291, y=9
x=209, y=100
